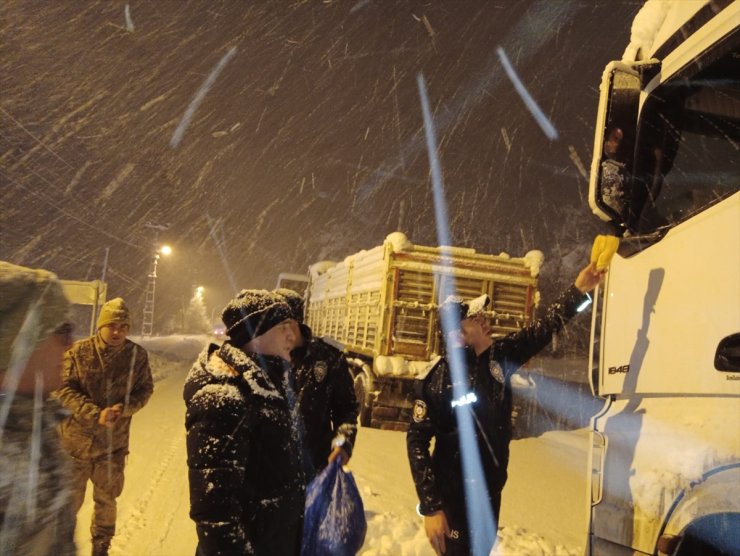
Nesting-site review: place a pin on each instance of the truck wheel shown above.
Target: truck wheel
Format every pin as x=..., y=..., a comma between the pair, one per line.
x=363, y=399
x=711, y=535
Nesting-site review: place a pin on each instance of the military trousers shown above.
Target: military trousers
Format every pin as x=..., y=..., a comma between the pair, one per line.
x=106, y=475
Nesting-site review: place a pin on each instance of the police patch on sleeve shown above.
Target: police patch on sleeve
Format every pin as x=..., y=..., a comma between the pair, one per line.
x=319, y=370
x=420, y=411
x=496, y=372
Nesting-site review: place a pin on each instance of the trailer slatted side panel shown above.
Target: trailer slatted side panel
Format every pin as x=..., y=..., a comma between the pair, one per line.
x=413, y=313
x=510, y=302
x=346, y=300
x=363, y=311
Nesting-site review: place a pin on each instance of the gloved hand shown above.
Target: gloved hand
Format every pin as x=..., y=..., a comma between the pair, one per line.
x=603, y=250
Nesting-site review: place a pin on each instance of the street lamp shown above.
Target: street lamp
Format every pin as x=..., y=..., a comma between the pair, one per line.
x=147, y=323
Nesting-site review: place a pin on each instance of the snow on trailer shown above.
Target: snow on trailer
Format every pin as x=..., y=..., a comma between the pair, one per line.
x=381, y=304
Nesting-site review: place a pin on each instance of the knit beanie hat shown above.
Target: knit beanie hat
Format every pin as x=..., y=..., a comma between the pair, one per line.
x=32, y=302
x=252, y=313
x=294, y=300
x=114, y=311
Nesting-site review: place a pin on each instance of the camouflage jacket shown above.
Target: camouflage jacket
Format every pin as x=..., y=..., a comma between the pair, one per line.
x=97, y=376
x=34, y=498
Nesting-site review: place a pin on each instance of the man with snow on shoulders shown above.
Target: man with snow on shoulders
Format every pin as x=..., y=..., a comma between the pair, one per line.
x=325, y=392
x=438, y=477
x=105, y=380
x=34, y=469
x=246, y=474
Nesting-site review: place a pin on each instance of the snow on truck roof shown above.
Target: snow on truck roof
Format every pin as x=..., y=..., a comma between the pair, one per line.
x=655, y=24
x=400, y=243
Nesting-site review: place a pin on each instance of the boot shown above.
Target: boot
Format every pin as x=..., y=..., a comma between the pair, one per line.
x=100, y=547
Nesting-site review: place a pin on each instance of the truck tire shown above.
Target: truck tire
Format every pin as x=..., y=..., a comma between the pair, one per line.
x=711, y=535
x=364, y=399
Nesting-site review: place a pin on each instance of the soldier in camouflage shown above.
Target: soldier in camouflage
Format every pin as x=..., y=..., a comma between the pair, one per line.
x=106, y=380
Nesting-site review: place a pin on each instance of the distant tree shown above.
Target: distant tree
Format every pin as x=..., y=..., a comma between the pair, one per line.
x=195, y=319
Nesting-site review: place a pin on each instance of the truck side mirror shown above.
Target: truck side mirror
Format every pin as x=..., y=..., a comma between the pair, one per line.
x=614, y=142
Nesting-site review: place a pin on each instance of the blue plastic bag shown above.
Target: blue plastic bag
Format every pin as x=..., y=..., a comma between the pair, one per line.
x=334, y=522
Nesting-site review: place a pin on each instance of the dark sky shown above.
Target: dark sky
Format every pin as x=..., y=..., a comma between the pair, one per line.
x=309, y=144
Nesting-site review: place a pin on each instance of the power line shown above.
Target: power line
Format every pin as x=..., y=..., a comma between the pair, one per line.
x=72, y=216
x=39, y=141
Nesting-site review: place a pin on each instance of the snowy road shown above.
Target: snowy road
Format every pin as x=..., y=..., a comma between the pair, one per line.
x=543, y=505
x=153, y=509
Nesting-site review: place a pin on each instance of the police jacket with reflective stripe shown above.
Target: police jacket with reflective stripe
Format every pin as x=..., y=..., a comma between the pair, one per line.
x=438, y=477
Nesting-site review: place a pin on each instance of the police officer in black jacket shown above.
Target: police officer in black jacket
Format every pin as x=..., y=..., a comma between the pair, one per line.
x=324, y=393
x=438, y=476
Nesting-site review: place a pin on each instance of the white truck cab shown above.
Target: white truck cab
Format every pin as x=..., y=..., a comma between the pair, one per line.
x=666, y=327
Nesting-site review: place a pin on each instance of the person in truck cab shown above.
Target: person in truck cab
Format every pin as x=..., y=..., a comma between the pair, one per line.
x=489, y=365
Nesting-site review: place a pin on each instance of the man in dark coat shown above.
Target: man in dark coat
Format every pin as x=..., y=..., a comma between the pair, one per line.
x=325, y=392
x=489, y=364
x=244, y=451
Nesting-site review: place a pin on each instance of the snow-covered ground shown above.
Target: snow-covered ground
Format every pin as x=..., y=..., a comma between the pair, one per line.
x=543, y=510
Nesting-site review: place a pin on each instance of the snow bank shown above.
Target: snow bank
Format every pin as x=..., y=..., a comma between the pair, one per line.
x=171, y=354
x=542, y=509
x=180, y=347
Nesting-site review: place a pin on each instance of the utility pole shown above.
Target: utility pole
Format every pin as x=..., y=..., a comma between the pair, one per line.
x=147, y=323
x=105, y=264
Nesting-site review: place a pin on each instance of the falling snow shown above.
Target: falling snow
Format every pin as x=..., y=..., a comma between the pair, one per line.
x=267, y=137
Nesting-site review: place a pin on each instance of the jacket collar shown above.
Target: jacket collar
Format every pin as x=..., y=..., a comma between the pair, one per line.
x=264, y=374
x=107, y=350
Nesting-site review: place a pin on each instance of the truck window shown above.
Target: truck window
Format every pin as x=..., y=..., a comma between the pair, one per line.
x=292, y=281
x=688, y=145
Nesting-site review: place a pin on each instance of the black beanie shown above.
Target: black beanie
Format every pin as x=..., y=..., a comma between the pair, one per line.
x=294, y=299
x=252, y=313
